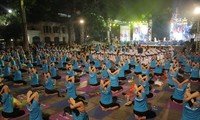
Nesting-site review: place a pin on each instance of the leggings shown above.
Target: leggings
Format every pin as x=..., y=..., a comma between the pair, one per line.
x=52, y=91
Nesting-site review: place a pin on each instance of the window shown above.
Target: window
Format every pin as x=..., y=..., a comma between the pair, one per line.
x=63, y=30
x=56, y=29
x=47, y=29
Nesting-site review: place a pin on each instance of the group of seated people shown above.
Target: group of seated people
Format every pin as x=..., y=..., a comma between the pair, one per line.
x=109, y=70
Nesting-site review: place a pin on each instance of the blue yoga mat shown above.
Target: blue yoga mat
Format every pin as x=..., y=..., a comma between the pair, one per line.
x=61, y=104
x=98, y=114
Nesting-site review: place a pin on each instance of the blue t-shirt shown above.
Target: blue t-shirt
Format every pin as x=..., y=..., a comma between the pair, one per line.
x=140, y=104
x=17, y=75
x=138, y=67
x=49, y=84
x=45, y=68
x=108, y=64
x=104, y=73
x=70, y=73
x=179, y=92
x=195, y=73
x=53, y=71
x=170, y=81
x=158, y=69
x=71, y=90
x=145, y=84
x=106, y=96
x=93, y=78
x=126, y=66
x=167, y=65
x=153, y=63
x=35, y=79
x=35, y=111
x=7, y=71
x=190, y=113
x=75, y=65
x=187, y=68
x=39, y=61
x=7, y=101
x=114, y=80
x=121, y=73
x=87, y=65
x=60, y=64
x=97, y=63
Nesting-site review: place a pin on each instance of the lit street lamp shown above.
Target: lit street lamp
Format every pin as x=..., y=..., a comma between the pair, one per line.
x=197, y=12
x=82, y=31
x=10, y=11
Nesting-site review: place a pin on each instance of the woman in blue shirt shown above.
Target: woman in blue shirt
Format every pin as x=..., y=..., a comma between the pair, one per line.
x=191, y=106
x=60, y=64
x=93, y=76
x=45, y=67
x=153, y=62
x=7, y=72
x=114, y=82
x=194, y=76
x=18, y=77
x=34, y=106
x=49, y=85
x=140, y=108
x=172, y=74
x=106, y=101
x=35, y=79
x=19, y=64
x=9, y=111
x=167, y=65
x=122, y=71
x=180, y=88
x=138, y=68
x=188, y=67
x=75, y=65
x=143, y=80
x=104, y=72
x=38, y=61
x=70, y=72
x=53, y=71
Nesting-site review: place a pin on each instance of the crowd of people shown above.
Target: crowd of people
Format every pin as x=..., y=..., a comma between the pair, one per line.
x=146, y=65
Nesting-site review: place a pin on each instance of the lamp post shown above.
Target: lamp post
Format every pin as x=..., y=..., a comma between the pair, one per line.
x=82, y=31
x=197, y=12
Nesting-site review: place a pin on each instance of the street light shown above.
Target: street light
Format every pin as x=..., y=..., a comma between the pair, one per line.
x=10, y=11
x=82, y=31
x=197, y=12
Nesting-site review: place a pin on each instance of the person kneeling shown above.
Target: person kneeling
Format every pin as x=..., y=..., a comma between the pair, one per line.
x=106, y=102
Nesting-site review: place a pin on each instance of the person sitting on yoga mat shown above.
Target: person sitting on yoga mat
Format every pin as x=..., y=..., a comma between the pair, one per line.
x=87, y=65
x=153, y=62
x=188, y=67
x=39, y=61
x=114, y=82
x=75, y=65
x=19, y=64
x=121, y=66
x=97, y=63
x=172, y=74
x=194, y=76
x=143, y=80
x=140, y=108
x=138, y=68
x=29, y=64
x=71, y=89
x=104, y=72
x=106, y=101
x=93, y=76
x=191, y=105
x=60, y=63
x=7, y=73
x=70, y=72
x=53, y=71
x=34, y=106
x=34, y=78
x=78, y=109
x=9, y=110
x=18, y=77
x=49, y=85
x=45, y=67
x=158, y=70
x=180, y=88
x=126, y=65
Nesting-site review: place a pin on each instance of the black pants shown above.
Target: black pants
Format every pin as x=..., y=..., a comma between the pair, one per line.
x=47, y=91
x=23, y=70
x=38, y=85
x=8, y=78
x=20, y=81
x=77, y=70
x=16, y=113
x=57, y=77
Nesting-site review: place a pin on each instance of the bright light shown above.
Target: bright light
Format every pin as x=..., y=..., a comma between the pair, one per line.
x=197, y=10
x=11, y=40
x=81, y=21
x=10, y=11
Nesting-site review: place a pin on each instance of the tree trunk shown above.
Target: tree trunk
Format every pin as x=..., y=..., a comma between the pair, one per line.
x=24, y=34
x=71, y=33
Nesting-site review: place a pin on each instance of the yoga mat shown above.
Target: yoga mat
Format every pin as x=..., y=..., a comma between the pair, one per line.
x=172, y=105
x=44, y=106
x=98, y=114
x=59, y=116
x=84, y=78
x=125, y=88
x=61, y=104
x=156, y=109
x=166, y=88
x=88, y=88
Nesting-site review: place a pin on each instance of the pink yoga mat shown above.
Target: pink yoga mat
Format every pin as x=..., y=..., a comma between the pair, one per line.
x=59, y=116
x=88, y=88
x=44, y=106
x=172, y=105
